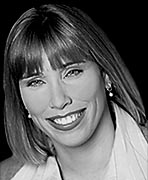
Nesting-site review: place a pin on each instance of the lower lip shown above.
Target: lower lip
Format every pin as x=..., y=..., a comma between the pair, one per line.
x=68, y=127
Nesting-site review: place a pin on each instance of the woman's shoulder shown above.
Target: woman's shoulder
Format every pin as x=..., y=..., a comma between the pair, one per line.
x=9, y=167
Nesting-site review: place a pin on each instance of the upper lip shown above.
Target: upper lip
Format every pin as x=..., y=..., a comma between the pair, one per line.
x=68, y=114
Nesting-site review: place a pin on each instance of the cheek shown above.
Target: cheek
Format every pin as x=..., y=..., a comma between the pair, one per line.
x=88, y=87
x=36, y=103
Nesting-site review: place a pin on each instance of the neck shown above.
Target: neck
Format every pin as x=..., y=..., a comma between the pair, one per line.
x=95, y=153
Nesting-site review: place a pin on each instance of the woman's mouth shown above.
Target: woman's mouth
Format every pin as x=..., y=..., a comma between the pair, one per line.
x=67, y=122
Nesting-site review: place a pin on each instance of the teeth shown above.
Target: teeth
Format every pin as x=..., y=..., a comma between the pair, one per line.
x=68, y=119
x=73, y=117
x=58, y=121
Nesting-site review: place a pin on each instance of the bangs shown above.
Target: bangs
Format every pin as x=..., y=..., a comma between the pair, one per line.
x=27, y=57
x=65, y=53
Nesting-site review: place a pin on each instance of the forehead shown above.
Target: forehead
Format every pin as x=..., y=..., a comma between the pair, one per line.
x=34, y=60
x=46, y=63
x=64, y=61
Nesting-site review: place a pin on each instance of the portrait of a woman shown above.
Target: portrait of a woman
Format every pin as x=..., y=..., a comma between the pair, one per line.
x=72, y=109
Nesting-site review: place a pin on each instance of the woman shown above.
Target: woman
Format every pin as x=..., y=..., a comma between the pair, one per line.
x=72, y=110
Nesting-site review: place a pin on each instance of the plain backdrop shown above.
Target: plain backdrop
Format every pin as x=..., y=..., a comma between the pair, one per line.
x=123, y=22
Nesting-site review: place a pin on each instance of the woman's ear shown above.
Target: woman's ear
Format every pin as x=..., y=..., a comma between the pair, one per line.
x=107, y=81
x=108, y=85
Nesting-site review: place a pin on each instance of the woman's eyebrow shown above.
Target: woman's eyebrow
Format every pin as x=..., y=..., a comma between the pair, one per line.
x=72, y=63
x=34, y=74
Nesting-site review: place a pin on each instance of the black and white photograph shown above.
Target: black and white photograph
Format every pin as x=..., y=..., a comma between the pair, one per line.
x=73, y=90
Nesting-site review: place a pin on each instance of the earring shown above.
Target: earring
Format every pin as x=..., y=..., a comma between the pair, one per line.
x=109, y=89
x=29, y=115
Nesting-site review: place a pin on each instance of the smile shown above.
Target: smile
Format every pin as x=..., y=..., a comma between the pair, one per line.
x=67, y=122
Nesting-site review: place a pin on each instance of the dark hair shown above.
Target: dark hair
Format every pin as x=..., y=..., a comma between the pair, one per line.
x=65, y=34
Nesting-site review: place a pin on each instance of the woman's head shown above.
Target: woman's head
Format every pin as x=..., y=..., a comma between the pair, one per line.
x=61, y=35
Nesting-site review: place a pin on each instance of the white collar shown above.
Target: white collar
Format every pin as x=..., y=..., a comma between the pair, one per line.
x=129, y=155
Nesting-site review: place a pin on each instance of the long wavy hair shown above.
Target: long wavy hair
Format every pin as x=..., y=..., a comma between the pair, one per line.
x=64, y=33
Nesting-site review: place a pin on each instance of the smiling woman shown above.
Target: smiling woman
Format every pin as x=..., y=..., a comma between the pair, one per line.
x=72, y=109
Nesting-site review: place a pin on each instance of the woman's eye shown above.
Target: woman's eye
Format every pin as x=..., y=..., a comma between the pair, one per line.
x=73, y=72
x=35, y=83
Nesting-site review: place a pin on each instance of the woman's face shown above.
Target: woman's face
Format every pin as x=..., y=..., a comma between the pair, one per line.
x=67, y=104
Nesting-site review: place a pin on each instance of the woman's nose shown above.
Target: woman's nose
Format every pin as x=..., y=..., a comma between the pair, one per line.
x=59, y=98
